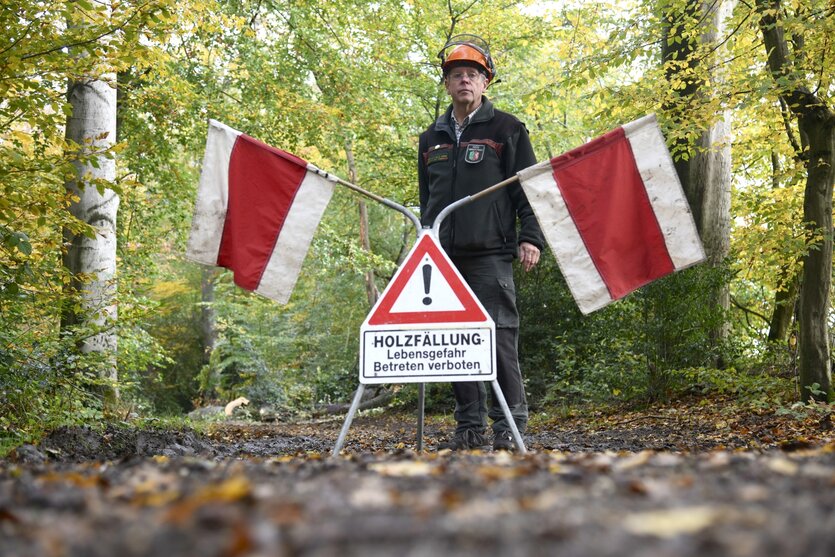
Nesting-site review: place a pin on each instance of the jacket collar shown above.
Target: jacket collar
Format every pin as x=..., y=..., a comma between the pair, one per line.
x=484, y=113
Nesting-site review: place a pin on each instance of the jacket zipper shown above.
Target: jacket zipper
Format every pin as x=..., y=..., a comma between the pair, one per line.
x=452, y=193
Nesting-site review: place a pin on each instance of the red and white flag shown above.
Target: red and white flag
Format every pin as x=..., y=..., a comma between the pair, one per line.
x=256, y=211
x=614, y=213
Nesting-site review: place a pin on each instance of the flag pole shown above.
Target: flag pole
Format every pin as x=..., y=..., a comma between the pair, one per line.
x=387, y=202
x=436, y=226
x=421, y=388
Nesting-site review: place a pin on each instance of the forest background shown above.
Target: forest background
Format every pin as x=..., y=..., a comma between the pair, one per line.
x=743, y=91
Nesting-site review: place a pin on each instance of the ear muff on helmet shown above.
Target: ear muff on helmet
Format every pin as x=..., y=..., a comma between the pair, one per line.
x=468, y=48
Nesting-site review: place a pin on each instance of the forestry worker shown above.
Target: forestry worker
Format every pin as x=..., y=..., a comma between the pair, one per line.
x=469, y=148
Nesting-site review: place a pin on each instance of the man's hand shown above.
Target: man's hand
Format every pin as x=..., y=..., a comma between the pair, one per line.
x=528, y=255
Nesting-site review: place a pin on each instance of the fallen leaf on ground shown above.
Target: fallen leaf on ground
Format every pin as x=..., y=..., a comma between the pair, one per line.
x=402, y=468
x=783, y=466
x=231, y=490
x=668, y=523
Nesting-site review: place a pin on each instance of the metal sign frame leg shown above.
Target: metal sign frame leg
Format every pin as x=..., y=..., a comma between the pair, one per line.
x=497, y=391
x=340, y=442
x=517, y=437
x=421, y=405
x=348, y=419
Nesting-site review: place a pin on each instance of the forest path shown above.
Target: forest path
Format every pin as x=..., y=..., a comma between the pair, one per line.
x=679, y=480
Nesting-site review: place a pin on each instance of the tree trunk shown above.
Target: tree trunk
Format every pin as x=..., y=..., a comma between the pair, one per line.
x=817, y=126
x=813, y=360
x=785, y=300
x=371, y=291
x=711, y=173
x=208, y=332
x=706, y=174
x=92, y=260
x=677, y=54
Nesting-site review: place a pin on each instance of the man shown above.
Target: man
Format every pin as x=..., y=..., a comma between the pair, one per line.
x=471, y=147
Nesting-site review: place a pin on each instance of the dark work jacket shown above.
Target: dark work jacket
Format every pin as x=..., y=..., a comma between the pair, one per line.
x=494, y=146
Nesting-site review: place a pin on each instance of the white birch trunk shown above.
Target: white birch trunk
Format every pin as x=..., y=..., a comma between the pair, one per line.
x=207, y=312
x=713, y=168
x=706, y=175
x=92, y=261
x=710, y=172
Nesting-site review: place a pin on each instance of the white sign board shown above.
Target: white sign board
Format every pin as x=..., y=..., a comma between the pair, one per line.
x=424, y=355
x=428, y=325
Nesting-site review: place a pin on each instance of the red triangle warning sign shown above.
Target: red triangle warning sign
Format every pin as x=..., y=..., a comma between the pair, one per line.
x=427, y=289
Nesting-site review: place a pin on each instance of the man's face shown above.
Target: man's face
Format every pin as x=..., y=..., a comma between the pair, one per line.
x=465, y=84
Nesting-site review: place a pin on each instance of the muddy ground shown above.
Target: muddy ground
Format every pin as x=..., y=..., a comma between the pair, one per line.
x=680, y=480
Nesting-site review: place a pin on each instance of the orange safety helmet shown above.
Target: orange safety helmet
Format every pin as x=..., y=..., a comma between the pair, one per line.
x=468, y=48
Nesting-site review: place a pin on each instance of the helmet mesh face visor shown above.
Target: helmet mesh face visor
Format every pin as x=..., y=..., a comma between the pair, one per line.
x=473, y=40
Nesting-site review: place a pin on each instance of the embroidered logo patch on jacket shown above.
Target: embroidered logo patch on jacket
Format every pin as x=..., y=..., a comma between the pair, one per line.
x=437, y=156
x=475, y=153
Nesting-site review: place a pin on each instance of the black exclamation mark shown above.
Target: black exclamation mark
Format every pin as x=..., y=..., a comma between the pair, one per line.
x=427, y=279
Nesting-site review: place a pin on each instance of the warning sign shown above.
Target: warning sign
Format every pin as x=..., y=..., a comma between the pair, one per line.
x=427, y=289
x=428, y=325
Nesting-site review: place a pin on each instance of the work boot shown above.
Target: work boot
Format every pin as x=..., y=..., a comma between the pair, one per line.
x=503, y=441
x=468, y=439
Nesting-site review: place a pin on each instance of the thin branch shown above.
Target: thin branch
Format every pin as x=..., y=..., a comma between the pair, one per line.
x=727, y=61
x=706, y=12
x=20, y=38
x=110, y=31
x=821, y=73
x=784, y=112
x=237, y=100
x=255, y=14
x=329, y=27
x=726, y=39
x=464, y=10
x=749, y=311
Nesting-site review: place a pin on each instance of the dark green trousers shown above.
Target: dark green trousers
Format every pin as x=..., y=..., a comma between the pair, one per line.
x=491, y=279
